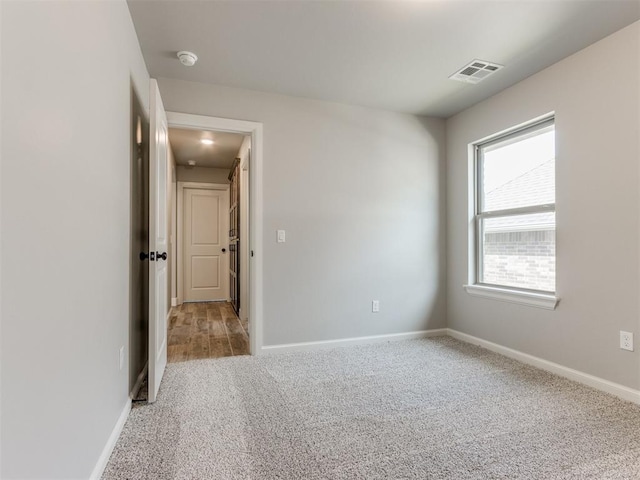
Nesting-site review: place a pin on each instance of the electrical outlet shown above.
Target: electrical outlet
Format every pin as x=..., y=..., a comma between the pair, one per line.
x=121, y=357
x=626, y=341
x=375, y=306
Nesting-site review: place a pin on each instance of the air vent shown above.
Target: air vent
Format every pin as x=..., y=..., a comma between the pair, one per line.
x=475, y=71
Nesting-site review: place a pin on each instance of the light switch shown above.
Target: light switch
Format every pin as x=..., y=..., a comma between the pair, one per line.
x=281, y=236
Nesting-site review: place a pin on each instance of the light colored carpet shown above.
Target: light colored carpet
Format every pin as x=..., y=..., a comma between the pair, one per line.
x=423, y=409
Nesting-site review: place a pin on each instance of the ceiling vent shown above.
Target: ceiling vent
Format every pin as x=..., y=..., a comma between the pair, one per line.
x=476, y=71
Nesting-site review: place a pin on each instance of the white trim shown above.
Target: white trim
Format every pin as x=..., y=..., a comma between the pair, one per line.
x=180, y=231
x=255, y=129
x=472, y=254
x=531, y=299
x=98, y=470
x=136, y=387
x=219, y=124
x=474, y=174
x=256, y=217
x=521, y=126
x=203, y=186
x=324, y=344
x=174, y=300
x=243, y=310
x=598, y=383
x=522, y=228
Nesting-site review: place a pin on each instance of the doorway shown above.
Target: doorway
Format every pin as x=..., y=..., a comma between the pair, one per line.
x=162, y=227
x=254, y=245
x=139, y=242
x=212, y=241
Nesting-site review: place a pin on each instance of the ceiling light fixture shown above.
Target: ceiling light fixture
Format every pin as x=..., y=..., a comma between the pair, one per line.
x=207, y=141
x=191, y=163
x=188, y=59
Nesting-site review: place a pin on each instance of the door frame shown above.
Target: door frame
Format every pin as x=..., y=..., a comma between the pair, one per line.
x=180, y=247
x=256, y=221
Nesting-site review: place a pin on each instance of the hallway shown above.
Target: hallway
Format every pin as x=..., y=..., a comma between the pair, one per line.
x=205, y=330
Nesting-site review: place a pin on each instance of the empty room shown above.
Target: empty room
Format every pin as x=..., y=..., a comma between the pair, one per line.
x=320, y=239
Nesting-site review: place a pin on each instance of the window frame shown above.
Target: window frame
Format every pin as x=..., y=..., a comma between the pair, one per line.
x=531, y=297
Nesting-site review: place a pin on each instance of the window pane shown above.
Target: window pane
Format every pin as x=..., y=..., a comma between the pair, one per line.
x=519, y=251
x=519, y=172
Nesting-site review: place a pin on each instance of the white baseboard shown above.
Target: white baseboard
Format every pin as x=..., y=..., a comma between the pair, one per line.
x=98, y=470
x=598, y=383
x=174, y=302
x=140, y=379
x=308, y=346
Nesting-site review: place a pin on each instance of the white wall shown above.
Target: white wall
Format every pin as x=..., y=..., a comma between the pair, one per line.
x=202, y=174
x=595, y=94
x=67, y=69
x=173, y=228
x=360, y=194
x=173, y=262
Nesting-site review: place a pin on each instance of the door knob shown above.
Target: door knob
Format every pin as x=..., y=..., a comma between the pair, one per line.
x=224, y=250
x=162, y=255
x=144, y=256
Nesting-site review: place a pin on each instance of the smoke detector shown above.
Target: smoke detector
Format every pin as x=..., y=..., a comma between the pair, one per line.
x=188, y=59
x=191, y=163
x=476, y=71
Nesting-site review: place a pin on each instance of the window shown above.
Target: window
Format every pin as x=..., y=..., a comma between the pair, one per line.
x=514, y=211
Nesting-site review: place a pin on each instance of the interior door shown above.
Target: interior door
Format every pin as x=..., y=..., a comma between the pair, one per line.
x=206, y=245
x=158, y=242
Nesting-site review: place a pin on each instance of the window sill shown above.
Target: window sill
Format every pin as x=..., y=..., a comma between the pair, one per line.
x=539, y=300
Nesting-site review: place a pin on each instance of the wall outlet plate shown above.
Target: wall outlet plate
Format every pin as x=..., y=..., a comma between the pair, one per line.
x=375, y=306
x=626, y=341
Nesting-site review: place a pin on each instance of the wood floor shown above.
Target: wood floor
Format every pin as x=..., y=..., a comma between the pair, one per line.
x=205, y=330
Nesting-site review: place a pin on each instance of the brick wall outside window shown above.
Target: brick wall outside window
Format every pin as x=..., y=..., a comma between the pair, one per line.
x=523, y=259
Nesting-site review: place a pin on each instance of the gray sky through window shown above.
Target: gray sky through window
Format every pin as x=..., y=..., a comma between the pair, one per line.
x=504, y=164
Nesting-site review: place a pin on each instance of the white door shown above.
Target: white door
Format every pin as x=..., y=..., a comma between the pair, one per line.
x=206, y=255
x=158, y=232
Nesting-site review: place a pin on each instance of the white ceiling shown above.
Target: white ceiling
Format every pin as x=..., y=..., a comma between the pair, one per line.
x=186, y=145
x=394, y=55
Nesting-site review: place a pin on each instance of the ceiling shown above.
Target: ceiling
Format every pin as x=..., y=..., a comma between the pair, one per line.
x=395, y=55
x=186, y=146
